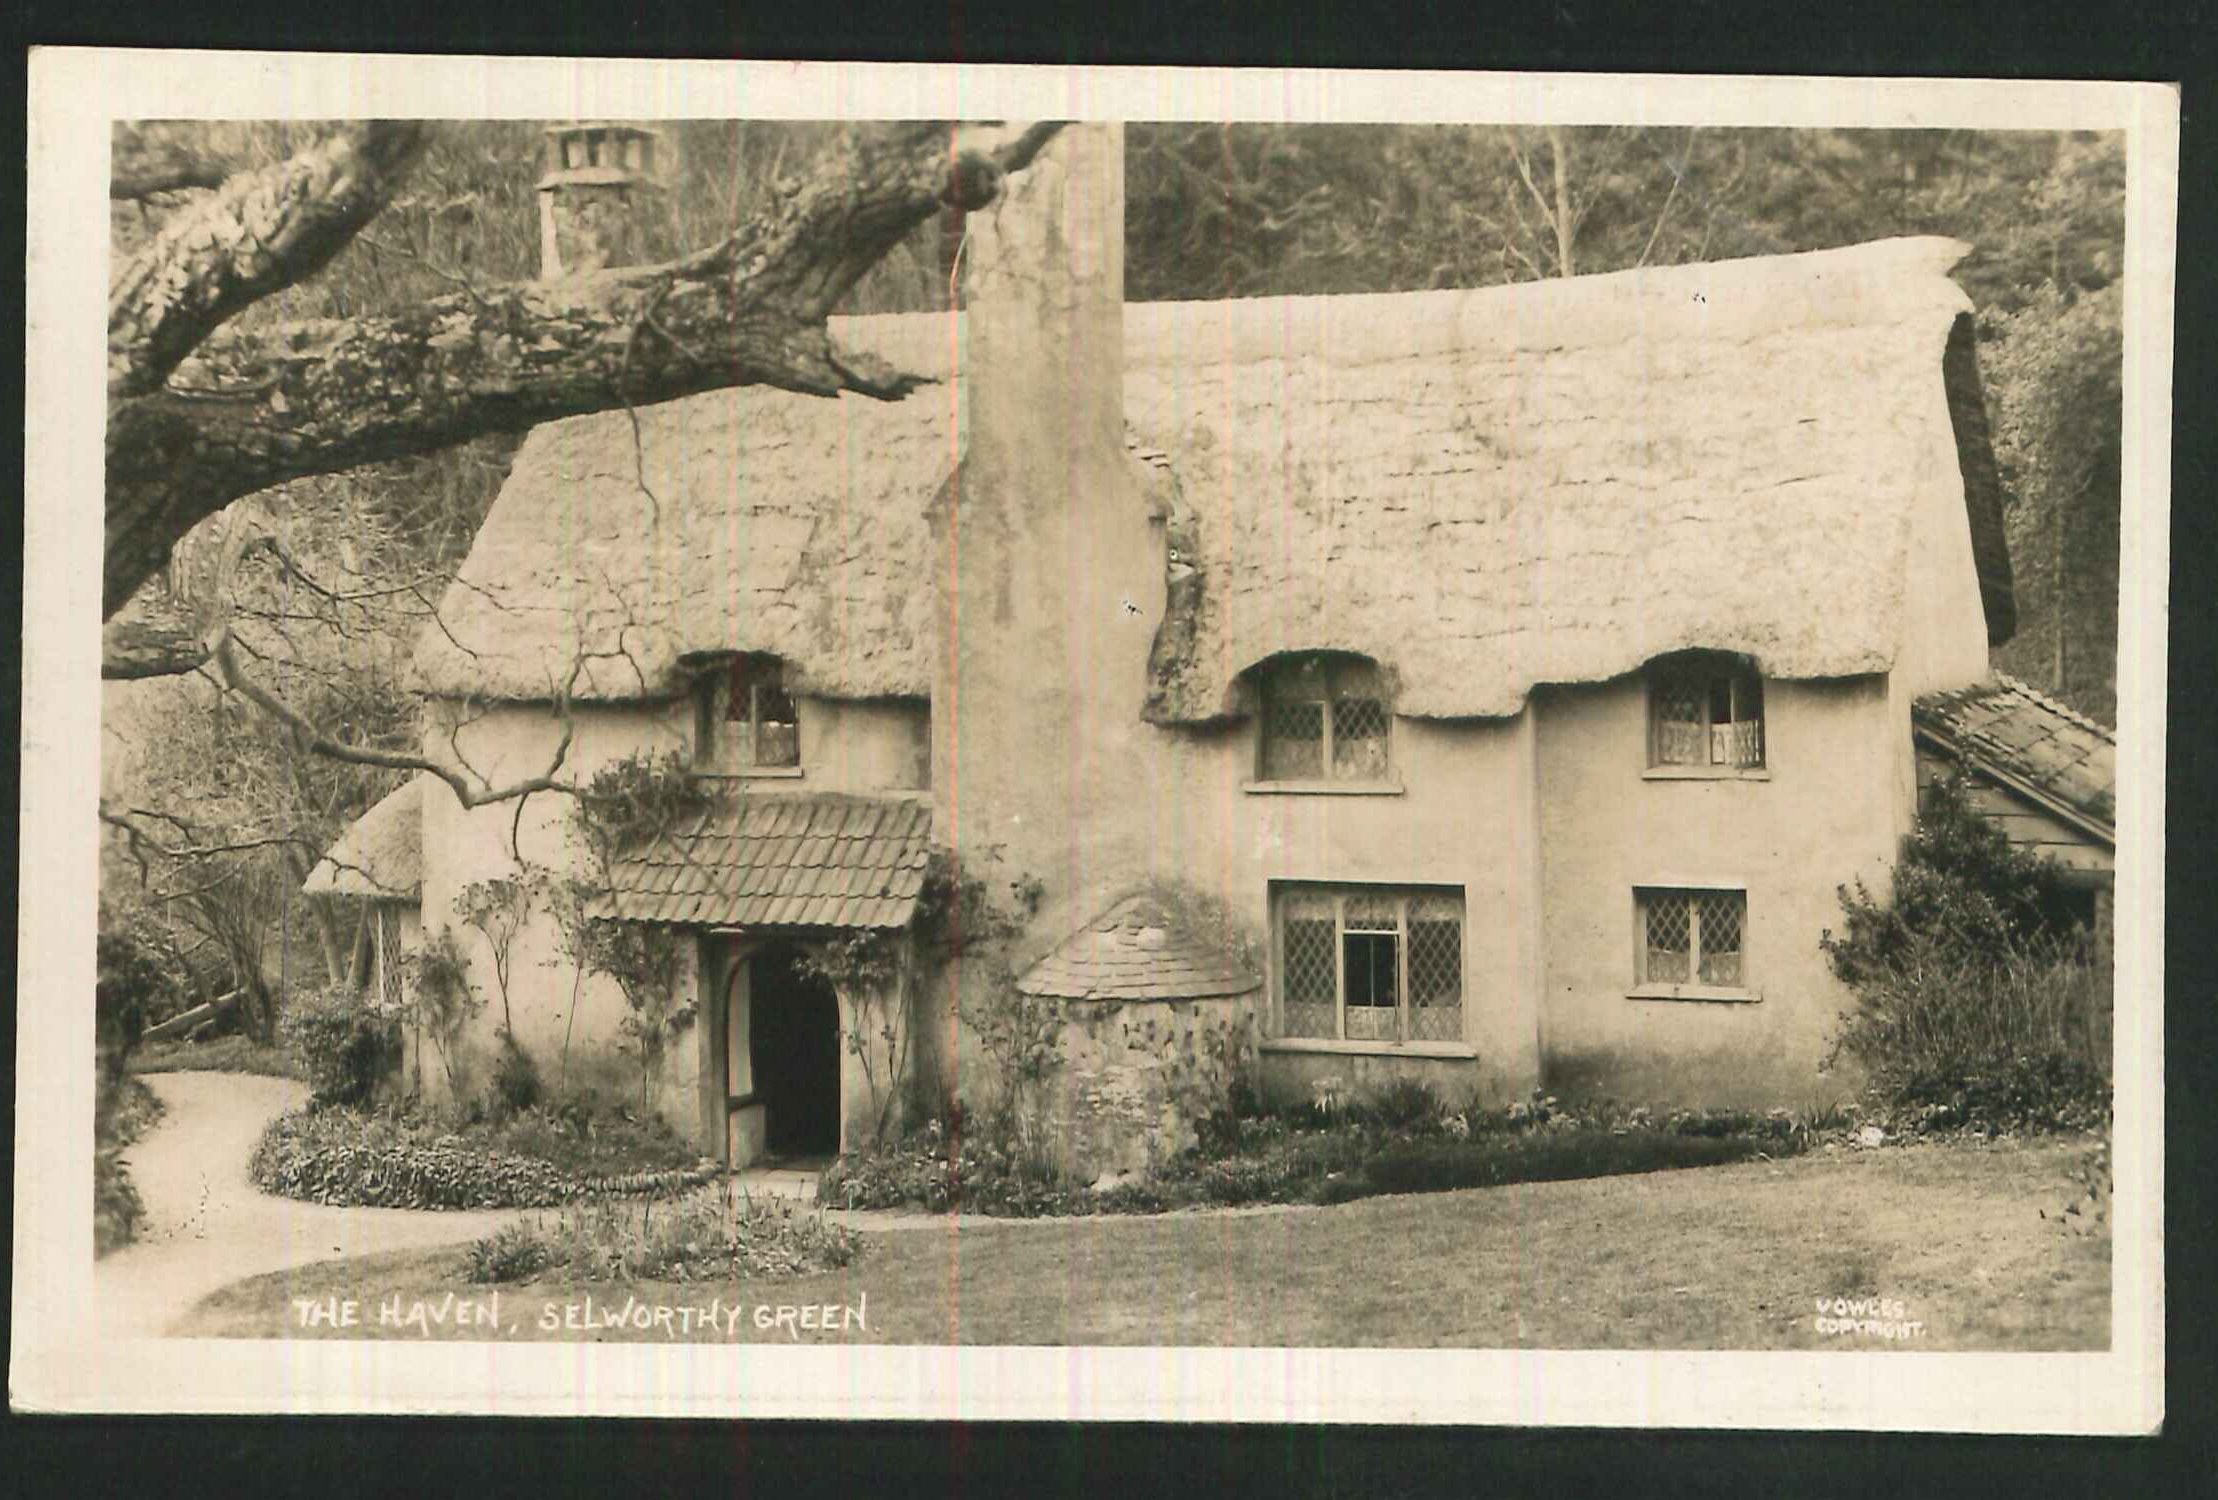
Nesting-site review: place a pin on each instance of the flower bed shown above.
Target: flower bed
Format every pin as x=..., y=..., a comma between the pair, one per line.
x=341, y=1156
x=1332, y=1154
x=702, y=1238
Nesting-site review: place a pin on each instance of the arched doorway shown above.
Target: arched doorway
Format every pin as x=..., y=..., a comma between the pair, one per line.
x=793, y=1049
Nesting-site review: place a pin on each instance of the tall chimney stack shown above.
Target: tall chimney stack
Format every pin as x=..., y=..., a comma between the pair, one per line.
x=1051, y=565
x=587, y=218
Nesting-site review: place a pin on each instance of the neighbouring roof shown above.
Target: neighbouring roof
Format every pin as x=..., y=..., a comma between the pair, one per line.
x=782, y=861
x=2031, y=744
x=382, y=855
x=1142, y=948
x=1481, y=490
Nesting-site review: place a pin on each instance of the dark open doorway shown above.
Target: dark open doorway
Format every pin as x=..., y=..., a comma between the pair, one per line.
x=793, y=1040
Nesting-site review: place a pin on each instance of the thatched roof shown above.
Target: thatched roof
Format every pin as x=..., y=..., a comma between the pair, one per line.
x=2029, y=742
x=1479, y=489
x=1141, y=948
x=382, y=855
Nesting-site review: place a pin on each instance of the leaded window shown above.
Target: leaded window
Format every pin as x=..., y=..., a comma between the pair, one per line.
x=748, y=721
x=1370, y=963
x=392, y=990
x=1706, y=709
x=1692, y=937
x=1325, y=718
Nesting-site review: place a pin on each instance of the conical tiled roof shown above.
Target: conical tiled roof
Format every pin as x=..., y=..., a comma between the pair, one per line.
x=1142, y=948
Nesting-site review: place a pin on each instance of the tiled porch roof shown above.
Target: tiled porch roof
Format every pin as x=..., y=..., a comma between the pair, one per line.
x=1139, y=949
x=783, y=861
x=2031, y=742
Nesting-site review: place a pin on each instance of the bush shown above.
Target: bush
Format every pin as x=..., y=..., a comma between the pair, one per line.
x=346, y=1048
x=123, y=1110
x=134, y=987
x=1979, y=1004
x=1404, y=1104
x=514, y=1252
x=403, y=1160
x=701, y=1238
x=515, y=1079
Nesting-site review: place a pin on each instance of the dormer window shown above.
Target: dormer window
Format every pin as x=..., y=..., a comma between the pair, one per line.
x=1706, y=714
x=1326, y=718
x=747, y=719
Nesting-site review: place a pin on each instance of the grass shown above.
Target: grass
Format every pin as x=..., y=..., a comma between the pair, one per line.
x=1732, y=1257
x=227, y=1054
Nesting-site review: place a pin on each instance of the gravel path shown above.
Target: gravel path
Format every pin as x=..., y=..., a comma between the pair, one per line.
x=208, y=1226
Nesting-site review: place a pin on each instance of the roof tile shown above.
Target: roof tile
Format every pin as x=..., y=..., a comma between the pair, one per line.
x=829, y=860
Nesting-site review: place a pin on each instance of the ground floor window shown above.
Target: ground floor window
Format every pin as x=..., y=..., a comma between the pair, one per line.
x=392, y=991
x=1369, y=963
x=1691, y=937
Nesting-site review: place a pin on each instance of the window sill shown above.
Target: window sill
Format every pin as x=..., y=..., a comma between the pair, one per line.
x=1715, y=993
x=1322, y=788
x=1706, y=773
x=754, y=773
x=1338, y=1048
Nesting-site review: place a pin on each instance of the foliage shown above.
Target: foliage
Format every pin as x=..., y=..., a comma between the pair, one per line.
x=124, y=1109
x=133, y=988
x=516, y=1085
x=1978, y=1002
x=631, y=801
x=514, y=1252
x=704, y=1237
x=225, y=1054
x=496, y=908
x=346, y=1048
x=442, y=1000
x=1304, y=1155
x=1960, y=886
x=867, y=969
x=2087, y=1211
x=646, y=961
x=397, y=1159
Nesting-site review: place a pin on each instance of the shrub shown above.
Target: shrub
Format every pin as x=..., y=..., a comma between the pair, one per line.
x=123, y=1109
x=514, y=1252
x=346, y=1048
x=405, y=1160
x=700, y=1238
x=1404, y=1104
x=1979, y=1003
x=515, y=1079
x=134, y=986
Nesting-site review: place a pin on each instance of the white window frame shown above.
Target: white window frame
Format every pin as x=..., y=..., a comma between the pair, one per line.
x=1644, y=988
x=1743, y=682
x=1288, y=894
x=733, y=747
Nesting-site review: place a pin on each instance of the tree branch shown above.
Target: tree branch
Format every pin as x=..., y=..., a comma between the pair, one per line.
x=319, y=398
x=319, y=743
x=260, y=233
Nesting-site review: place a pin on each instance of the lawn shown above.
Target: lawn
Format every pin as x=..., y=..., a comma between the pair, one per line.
x=1731, y=1257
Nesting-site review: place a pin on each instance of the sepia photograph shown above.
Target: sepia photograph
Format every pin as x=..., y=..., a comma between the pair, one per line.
x=820, y=738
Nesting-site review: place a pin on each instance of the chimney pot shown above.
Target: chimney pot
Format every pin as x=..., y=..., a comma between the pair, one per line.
x=586, y=213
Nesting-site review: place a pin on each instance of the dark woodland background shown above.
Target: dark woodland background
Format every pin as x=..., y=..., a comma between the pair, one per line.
x=327, y=581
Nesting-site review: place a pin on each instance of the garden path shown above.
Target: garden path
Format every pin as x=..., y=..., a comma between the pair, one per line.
x=207, y=1225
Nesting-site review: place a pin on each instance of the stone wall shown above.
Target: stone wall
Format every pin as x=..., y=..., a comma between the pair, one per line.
x=1136, y=1076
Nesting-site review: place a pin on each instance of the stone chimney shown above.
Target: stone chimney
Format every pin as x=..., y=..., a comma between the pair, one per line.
x=1050, y=564
x=593, y=170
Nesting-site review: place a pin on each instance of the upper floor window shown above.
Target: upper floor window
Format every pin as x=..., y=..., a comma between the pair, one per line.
x=1706, y=711
x=1325, y=718
x=747, y=718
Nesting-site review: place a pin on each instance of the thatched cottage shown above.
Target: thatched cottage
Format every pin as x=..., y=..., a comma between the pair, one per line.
x=1490, y=687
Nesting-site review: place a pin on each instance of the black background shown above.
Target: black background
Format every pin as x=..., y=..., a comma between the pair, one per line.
x=1935, y=38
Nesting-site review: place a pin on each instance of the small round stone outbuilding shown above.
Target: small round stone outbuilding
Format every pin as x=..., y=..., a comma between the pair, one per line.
x=1158, y=1016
